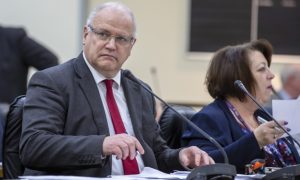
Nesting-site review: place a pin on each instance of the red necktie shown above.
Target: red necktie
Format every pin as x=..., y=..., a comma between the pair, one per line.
x=129, y=166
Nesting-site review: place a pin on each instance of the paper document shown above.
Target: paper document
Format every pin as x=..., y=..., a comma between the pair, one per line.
x=288, y=110
x=59, y=178
x=147, y=173
x=150, y=173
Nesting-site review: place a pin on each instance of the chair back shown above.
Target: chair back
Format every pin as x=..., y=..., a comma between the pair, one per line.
x=172, y=126
x=12, y=166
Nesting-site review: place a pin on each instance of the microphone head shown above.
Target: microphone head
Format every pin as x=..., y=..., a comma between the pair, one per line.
x=129, y=75
x=261, y=113
x=153, y=70
x=238, y=83
x=126, y=72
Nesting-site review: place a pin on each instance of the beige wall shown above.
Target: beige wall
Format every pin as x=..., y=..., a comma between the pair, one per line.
x=162, y=27
x=161, y=44
x=54, y=23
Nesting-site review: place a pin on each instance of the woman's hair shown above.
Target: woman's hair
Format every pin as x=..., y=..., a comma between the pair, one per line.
x=232, y=63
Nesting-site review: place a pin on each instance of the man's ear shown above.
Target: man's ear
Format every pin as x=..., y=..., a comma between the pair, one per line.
x=85, y=33
x=134, y=42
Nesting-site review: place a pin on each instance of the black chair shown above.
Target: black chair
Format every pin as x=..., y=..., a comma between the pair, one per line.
x=172, y=126
x=2, y=124
x=12, y=166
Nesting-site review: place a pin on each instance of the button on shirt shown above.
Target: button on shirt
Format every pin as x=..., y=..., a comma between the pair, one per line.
x=117, y=167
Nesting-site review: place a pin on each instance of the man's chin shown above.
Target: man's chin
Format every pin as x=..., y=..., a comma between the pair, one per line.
x=107, y=65
x=109, y=72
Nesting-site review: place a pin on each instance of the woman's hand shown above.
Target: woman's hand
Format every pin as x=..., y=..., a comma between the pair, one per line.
x=269, y=132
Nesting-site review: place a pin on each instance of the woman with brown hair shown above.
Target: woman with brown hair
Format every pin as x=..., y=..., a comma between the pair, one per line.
x=230, y=118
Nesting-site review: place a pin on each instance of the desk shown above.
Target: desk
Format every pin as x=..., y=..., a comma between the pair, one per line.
x=148, y=173
x=154, y=174
x=113, y=178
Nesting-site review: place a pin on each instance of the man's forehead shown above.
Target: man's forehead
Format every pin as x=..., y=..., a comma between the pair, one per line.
x=114, y=20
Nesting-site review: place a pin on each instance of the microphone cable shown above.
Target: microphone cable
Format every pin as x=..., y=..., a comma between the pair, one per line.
x=130, y=76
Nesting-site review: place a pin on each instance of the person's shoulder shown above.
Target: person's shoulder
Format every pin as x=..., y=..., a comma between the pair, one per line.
x=61, y=68
x=13, y=31
x=61, y=75
x=59, y=72
x=214, y=110
x=215, y=106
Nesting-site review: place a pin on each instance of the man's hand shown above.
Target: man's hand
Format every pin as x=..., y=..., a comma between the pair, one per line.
x=193, y=156
x=122, y=145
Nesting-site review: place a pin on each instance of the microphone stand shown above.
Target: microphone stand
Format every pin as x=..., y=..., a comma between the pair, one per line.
x=219, y=169
x=289, y=172
x=240, y=85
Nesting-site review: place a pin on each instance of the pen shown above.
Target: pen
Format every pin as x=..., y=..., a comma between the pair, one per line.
x=262, y=120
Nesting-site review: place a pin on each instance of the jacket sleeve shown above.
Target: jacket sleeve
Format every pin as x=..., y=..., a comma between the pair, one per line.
x=33, y=53
x=240, y=150
x=44, y=141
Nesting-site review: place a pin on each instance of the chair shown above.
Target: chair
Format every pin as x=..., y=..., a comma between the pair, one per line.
x=2, y=123
x=172, y=126
x=12, y=166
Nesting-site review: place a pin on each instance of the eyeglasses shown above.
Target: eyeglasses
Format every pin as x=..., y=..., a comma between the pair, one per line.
x=106, y=37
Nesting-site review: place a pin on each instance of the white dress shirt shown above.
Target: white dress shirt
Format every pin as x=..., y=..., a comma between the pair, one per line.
x=117, y=167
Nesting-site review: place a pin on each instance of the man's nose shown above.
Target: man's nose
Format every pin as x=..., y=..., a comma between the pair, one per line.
x=111, y=42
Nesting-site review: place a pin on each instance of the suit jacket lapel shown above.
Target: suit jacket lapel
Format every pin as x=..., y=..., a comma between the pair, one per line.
x=133, y=97
x=90, y=90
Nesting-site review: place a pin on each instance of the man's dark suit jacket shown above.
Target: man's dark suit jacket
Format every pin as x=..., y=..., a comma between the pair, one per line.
x=217, y=120
x=18, y=52
x=64, y=124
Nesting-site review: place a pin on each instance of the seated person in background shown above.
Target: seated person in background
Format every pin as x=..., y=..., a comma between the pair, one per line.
x=290, y=80
x=172, y=126
x=87, y=118
x=230, y=118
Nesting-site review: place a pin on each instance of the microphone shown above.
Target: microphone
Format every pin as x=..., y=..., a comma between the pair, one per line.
x=290, y=171
x=209, y=170
x=241, y=86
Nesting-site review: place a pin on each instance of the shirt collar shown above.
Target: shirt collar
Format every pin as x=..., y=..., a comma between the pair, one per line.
x=98, y=77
